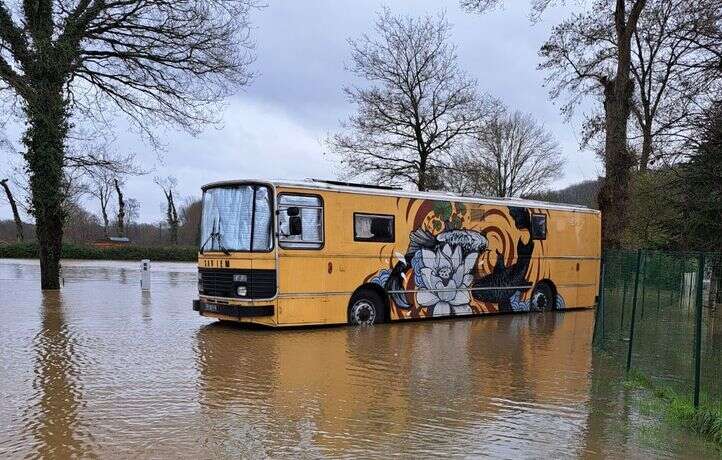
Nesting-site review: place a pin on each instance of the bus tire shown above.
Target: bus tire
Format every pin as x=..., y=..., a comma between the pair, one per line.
x=542, y=297
x=366, y=308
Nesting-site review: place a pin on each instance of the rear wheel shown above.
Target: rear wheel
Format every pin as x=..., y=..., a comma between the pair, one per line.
x=542, y=298
x=366, y=308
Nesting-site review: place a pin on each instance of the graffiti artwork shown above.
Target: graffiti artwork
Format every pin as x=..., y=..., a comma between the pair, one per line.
x=463, y=261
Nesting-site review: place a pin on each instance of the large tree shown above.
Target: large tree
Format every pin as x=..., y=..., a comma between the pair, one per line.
x=416, y=105
x=154, y=60
x=670, y=90
x=618, y=89
x=511, y=156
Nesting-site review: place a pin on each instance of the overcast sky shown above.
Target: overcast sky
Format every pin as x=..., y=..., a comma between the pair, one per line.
x=274, y=128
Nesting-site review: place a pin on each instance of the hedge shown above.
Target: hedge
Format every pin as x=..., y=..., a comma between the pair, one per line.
x=78, y=251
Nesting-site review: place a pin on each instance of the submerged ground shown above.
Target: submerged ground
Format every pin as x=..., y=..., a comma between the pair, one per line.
x=103, y=369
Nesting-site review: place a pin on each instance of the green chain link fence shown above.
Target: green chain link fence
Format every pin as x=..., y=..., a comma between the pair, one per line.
x=660, y=314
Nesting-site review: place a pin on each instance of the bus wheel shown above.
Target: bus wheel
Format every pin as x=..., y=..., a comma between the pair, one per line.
x=365, y=308
x=542, y=298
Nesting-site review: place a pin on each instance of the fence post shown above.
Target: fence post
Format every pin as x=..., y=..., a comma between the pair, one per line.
x=624, y=305
x=634, y=310
x=644, y=285
x=600, y=309
x=689, y=297
x=698, y=329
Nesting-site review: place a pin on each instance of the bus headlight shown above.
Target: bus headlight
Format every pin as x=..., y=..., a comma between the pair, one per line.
x=241, y=291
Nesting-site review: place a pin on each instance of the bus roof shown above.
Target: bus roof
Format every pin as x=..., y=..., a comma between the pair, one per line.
x=361, y=189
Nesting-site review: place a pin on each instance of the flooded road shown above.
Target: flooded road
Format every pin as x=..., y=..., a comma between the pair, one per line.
x=101, y=369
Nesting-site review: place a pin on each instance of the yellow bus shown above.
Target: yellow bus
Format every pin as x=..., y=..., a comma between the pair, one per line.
x=292, y=253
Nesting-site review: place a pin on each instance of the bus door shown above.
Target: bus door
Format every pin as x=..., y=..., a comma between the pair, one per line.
x=302, y=265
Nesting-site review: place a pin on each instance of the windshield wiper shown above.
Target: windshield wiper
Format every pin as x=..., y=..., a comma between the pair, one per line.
x=210, y=237
x=220, y=239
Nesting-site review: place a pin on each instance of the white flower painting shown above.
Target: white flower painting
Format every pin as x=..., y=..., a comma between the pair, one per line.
x=447, y=277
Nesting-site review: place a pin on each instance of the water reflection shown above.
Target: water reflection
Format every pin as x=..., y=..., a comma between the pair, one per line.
x=53, y=419
x=430, y=388
x=145, y=305
x=173, y=278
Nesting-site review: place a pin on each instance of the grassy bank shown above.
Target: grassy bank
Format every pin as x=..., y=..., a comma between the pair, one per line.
x=78, y=251
x=705, y=421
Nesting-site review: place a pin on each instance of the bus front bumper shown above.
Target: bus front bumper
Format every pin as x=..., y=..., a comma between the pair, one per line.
x=238, y=311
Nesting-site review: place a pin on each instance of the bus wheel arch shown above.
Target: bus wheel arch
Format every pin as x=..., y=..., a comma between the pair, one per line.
x=543, y=296
x=366, y=295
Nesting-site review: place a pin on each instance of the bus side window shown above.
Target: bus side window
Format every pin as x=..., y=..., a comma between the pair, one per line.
x=300, y=221
x=538, y=227
x=377, y=228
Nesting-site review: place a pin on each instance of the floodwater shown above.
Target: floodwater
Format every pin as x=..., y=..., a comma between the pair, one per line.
x=100, y=369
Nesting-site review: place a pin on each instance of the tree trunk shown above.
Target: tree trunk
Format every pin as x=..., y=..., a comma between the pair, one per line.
x=104, y=212
x=47, y=120
x=646, y=147
x=172, y=218
x=19, y=235
x=121, y=209
x=618, y=163
x=422, y=184
x=618, y=160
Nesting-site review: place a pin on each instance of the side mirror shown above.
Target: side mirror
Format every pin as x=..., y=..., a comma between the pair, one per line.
x=294, y=225
x=293, y=211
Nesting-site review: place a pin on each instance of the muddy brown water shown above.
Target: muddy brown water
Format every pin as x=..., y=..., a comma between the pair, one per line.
x=100, y=369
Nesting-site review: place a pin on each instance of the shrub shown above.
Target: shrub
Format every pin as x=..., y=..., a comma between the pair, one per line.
x=78, y=251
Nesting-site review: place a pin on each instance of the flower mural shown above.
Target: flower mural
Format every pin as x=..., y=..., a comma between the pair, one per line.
x=441, y=272
x=446, y=277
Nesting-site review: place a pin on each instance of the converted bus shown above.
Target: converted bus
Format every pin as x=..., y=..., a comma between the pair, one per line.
x=282, y=253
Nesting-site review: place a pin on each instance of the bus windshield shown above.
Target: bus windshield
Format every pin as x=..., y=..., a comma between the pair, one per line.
x=236, y=218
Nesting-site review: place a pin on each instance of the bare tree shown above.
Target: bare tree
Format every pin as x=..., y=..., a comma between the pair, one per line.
x=618, y=90
x=190, y=221
x=418, y=104
x=102, y=190
x=70, y=58
x=106, y=170
x=169, y=185
x=512, y=155
x=132, y=213
x=14, y=207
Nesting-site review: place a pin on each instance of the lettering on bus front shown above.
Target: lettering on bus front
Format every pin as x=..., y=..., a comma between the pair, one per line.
x=216, y=263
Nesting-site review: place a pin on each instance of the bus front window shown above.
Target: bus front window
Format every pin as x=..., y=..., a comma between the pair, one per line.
x=236, y=218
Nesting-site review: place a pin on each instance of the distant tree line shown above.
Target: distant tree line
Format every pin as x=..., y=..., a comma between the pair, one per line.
x=84, y=227
x=583, y=193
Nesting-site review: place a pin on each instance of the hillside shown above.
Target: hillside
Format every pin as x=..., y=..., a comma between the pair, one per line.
x=583, y=193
